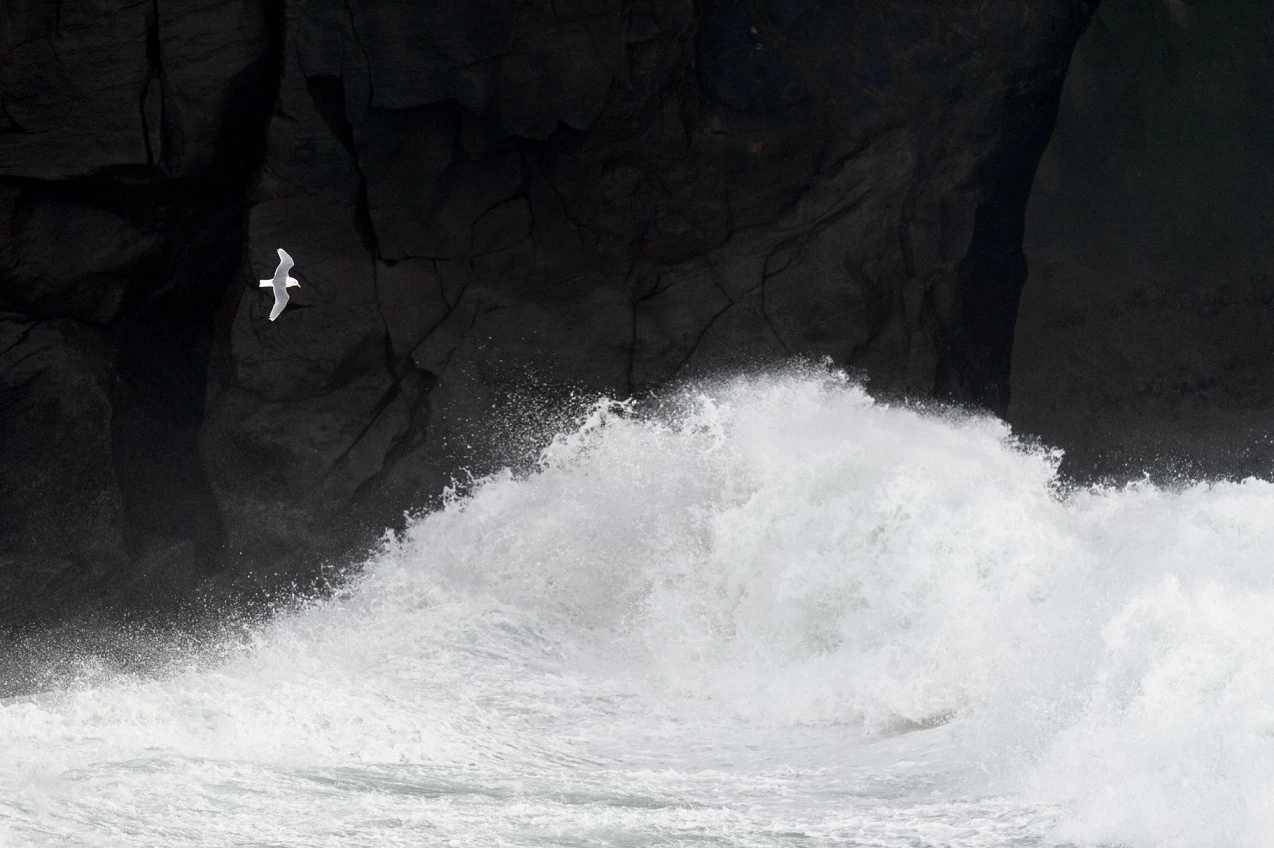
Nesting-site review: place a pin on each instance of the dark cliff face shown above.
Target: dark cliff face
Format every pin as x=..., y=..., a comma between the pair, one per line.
x=1146, y=337
x=491, y=204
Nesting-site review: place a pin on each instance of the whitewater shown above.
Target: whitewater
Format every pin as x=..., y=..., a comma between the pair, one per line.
x=763, y=612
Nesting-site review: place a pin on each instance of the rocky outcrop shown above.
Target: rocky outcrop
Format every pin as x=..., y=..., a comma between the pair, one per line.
x=491, y=204
x=129, y=135
x=1146, y=336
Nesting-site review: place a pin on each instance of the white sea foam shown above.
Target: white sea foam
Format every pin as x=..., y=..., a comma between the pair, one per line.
x=768, y=612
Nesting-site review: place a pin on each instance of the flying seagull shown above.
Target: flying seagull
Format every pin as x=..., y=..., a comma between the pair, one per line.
x=280, y=283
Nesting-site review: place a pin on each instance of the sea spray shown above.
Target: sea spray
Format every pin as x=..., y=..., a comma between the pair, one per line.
x=768, y=611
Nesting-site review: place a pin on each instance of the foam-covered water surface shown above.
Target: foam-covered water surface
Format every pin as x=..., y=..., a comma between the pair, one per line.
x=767, y=612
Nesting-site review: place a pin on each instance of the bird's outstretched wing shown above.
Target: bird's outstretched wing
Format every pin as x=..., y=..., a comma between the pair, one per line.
x=280, y=301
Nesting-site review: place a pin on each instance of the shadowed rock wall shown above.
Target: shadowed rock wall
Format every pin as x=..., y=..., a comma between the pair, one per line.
x=1146, y=335
x=490, y=203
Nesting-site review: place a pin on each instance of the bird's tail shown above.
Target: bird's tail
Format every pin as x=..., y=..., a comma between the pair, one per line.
x=265, y=284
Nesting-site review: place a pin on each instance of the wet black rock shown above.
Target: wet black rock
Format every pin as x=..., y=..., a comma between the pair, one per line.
x=1146, y=335
x=491, y=204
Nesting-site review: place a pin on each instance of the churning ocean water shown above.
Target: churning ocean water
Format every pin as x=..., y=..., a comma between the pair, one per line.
x=768, y=613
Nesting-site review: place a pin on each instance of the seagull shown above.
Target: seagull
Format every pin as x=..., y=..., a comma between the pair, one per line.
x=280, y=283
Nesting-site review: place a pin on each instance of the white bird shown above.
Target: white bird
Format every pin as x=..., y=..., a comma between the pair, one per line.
x=280, y=283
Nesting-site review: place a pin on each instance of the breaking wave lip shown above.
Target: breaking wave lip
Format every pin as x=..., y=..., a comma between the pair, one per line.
x=771, y=556
x=787, y=547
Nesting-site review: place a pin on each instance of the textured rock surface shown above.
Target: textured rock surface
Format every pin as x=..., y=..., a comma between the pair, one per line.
x=129, y=134
x=491, y=204
x=1146, y=336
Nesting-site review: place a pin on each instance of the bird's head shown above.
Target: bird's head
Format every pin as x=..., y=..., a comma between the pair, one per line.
x=292, y=282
